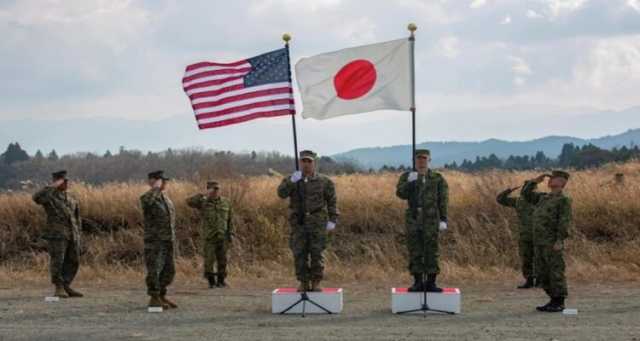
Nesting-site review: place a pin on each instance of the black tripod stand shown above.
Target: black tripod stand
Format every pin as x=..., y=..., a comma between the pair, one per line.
x=425, y=303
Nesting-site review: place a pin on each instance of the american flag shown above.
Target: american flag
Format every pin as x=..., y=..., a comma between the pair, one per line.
x=227, y=93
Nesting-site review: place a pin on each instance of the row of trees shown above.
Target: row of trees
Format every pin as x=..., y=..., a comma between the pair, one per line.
x=571, y=156
x=17, y=167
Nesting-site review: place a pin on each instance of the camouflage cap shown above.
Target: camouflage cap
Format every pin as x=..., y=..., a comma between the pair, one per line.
x=419, y=152
x=307, y=154
x=560, y=174
x=212, y=184
x=157, y=175
x=62, y=174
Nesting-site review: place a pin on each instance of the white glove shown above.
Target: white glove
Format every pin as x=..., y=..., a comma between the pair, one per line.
x=443, y=226
x=296, y=176
x=331, y=225
x=413, y=176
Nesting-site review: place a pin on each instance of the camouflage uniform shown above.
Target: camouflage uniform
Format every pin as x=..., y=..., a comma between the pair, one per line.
x=216, y=231
x=315, y=198
x=62, y=233
x=159, y=238
x=551, y=221
x=428, y=199
x=524, y=211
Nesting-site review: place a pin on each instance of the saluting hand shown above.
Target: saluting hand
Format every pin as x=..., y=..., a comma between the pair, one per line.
x=413, y=176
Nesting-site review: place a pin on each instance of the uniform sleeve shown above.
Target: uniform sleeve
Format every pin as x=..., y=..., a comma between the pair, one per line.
x=230, y=227
x=150, y=197
x=505, y=200
x=564, y=219
x=41, y=197
x=529, y=192
x=443, y=198
x=195, y=201
x=402, y=188
x=331, y=200
x=286, y=188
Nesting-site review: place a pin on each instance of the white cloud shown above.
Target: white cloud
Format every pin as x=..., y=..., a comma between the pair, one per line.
x=520, y=66
x=449, y=46
x=506, y=20
x=563, y=7
x=635, y=4
x=477, y=3
x=533, y=14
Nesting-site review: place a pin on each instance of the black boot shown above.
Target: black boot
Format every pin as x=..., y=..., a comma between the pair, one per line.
x=544, y=307
x=211, y=277
x=431, y=283
x=221, y=282
x=530, y=283
x=417, y=283
x=556, y=305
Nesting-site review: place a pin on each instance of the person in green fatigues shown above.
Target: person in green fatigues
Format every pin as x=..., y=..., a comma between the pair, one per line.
x=427, y=195
x=551, y=222
x=312, y=213
x=217, y=231
x=524, y=211
x=159, y=239
x=62, y=233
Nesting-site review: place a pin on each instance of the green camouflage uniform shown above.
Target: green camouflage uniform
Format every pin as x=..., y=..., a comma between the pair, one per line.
x=62, y=233
x=428, y=199
x=216, y=231
x=524, y=211
x=319, y=206
x=551, y=221
x=159, y=238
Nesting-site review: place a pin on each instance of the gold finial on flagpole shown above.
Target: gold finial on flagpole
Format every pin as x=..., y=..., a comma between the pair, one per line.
x=412, y=28
x=286, y=37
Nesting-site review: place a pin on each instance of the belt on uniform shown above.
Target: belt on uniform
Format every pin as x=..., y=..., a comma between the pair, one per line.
x=313, y=212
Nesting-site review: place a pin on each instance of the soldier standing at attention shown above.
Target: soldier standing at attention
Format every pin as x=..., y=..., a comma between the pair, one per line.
x=62, y=233
x=313, y=212
x=551, y=221
x=159, y=238
x=217, y=231
x=525, y=243
x=427, y=195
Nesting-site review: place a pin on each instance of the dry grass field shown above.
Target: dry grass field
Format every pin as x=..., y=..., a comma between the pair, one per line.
x=481, y=243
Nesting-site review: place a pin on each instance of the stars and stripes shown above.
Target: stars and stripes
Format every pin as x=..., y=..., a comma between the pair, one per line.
x=227, y=93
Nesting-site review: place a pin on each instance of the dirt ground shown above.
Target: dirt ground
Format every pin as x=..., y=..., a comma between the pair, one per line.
x=489, y=312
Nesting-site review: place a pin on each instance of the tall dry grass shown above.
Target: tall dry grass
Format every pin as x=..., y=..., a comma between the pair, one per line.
x=368, y=243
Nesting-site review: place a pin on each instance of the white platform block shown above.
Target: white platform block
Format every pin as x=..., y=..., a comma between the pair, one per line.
x=154, y=309
x=448, y=300
x=329, y=298
x=50, y=299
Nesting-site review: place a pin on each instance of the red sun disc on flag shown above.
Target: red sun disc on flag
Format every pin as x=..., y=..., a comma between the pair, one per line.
x=355, y=79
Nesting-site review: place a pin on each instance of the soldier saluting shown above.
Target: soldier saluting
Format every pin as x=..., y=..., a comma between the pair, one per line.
x=62, y=233
x=159, y=238
x=524, y=211
x=427, y=195
x=551, y=221
x=217, y=231
x=313, y=212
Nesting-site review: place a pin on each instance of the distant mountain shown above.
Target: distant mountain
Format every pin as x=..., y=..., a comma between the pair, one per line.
x=447, y=152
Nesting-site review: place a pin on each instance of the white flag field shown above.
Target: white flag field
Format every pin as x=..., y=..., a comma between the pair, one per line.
x=356, y=80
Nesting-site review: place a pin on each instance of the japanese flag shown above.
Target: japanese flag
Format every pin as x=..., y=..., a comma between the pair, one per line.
x=356, y=80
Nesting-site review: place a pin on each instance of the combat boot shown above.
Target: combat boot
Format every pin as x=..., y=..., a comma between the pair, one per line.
x=167, y=302
x=315, y=285
x=431, y=283
x=155, y=302
x=211, y=277
x=544, y=307
x=528, y=284
x=555, y=306
x=221, y=282
x=417, y=283
x=303, y=287
x=59, y=292
x=71, y=292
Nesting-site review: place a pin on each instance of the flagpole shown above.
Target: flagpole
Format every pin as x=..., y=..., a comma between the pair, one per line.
x=286, y=37
x=412, y=40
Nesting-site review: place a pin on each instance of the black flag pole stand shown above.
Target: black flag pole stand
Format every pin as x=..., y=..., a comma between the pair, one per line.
x=304, y=296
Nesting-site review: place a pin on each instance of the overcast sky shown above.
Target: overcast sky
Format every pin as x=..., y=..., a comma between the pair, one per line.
x=480, y=63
